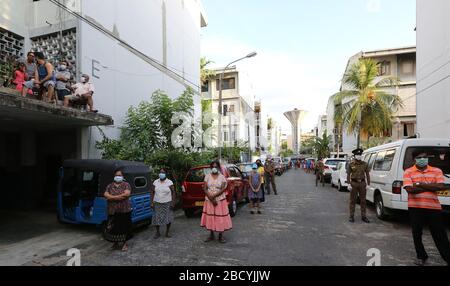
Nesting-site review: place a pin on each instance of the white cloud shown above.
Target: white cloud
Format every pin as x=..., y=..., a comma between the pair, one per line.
x=283, y=82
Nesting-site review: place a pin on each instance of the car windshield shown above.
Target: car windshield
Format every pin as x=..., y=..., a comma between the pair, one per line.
x=333, y=163
x=439, y=157
x=246, y=168
x=197, y=175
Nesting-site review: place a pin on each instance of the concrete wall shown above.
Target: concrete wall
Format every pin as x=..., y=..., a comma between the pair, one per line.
x=433, y=68
x=167, y=31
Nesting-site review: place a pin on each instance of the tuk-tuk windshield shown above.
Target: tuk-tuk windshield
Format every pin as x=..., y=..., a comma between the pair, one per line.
x=80, y=183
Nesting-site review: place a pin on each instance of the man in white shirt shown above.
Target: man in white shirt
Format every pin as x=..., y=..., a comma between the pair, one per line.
x=84, y=90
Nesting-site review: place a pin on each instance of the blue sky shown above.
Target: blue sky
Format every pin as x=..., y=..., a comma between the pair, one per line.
x=303, y=45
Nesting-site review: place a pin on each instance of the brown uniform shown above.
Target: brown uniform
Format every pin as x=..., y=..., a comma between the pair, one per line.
x=320, y=169
x=269, y=180
x=357, y=171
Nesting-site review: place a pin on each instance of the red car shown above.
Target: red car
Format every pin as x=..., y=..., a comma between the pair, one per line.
x=193, y=196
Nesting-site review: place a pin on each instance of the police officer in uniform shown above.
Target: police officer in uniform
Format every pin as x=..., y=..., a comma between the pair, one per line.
x=269, y=179
x=358, y=178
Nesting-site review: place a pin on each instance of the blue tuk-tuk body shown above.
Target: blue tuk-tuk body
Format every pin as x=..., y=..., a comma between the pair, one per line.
x=82, y=185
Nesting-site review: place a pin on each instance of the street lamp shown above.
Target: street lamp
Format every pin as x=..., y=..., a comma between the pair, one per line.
x=251, y=55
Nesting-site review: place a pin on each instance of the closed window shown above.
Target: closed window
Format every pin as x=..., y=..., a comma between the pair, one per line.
x=372, y=160
x=408, y=67
x=205, y=86
x=384, y=68
x=384, y=161
x=439, y=157
x=225, y=136
x=227, y=83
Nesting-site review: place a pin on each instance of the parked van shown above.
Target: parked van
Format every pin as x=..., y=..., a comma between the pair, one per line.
x=387, y=165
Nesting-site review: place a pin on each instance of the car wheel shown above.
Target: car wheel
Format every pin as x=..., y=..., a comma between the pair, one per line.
x=189, y=213
x=332, y=184
x=233, y=207
x=380, y=208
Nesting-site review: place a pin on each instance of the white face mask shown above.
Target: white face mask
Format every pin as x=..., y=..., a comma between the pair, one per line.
x=62, y=67
x=358, y=157
x=83, y=79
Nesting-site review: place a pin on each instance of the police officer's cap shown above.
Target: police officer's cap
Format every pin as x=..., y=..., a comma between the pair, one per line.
x=358, y=152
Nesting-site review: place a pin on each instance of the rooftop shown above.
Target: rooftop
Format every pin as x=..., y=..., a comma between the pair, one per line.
x=390, y=52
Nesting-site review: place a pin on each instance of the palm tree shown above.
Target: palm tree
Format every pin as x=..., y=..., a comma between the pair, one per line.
x=364, y=106
x=205, y=73
x=321, y=146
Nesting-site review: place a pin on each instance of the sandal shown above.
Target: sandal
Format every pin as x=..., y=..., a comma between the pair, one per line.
x=209, y=239
x=158, y=235
x=222, y=240
x=125, y=248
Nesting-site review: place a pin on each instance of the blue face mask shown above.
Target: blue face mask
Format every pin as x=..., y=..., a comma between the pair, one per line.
x=162, y=176
x=422, y=162
x=118, y=179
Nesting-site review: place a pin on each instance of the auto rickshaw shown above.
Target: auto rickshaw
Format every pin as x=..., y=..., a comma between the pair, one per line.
x=82, y=185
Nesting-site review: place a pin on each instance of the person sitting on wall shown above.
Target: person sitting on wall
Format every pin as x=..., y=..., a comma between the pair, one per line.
x=20, y=77
x=63, y=77
x=83, y=92
x=44, y=78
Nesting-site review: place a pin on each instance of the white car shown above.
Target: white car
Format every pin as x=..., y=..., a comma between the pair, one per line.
x=339, y=177
x=387, y=165
x=330, y=166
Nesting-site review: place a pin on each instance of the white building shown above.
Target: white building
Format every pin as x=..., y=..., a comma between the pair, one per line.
x=322, y=125
x=433, y=68
x=399, y=63
x=129, y=48
x=239, y=121
x=274, y=137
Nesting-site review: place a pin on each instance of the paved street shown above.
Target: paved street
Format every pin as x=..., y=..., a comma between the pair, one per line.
x=304, y=225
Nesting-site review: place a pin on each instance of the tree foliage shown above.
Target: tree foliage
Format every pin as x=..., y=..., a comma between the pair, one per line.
x=365, y=106
x=147, y=136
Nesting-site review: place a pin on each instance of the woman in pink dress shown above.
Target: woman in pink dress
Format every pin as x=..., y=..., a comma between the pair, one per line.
x=216, y=216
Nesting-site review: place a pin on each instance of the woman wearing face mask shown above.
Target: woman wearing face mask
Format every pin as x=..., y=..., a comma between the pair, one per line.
x=163, y=203
x=255, y=193
x=119, y=210
x=216, y=216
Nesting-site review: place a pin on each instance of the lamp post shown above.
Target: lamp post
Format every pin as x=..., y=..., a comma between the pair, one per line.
x=219, y=138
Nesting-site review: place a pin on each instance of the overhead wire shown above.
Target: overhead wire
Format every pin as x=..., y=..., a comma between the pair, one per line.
x=174, y=74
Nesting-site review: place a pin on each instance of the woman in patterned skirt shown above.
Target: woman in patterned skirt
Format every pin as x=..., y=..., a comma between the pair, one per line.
x=163, y=203
x=119, y=223
x=216, y=216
